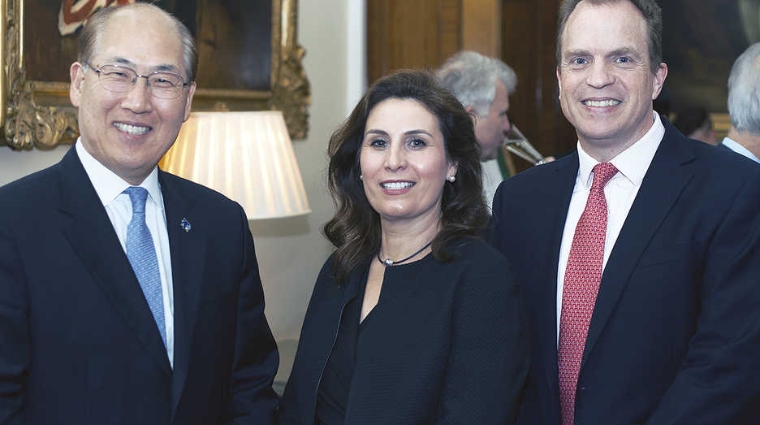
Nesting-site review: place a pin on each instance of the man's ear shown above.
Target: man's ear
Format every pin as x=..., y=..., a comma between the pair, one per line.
x=76, y=73
x=189, y=101
x=659, y=80
x=471, y=110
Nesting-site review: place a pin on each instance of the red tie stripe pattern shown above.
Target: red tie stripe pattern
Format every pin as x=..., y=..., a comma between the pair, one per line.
x=582, y=278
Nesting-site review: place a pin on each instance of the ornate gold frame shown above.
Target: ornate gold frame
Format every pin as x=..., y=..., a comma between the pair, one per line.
x=37, y=114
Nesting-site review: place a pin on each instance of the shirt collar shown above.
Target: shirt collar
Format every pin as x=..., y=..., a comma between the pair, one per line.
x=633, y=162
x=739, y=148
x=108, y=185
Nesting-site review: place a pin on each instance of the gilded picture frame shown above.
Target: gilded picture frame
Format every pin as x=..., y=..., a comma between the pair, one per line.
x=36, y=112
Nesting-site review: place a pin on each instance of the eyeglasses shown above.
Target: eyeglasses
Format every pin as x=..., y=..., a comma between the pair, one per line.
x=117, y=78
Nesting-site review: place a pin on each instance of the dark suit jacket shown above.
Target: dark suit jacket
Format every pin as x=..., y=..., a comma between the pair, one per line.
x=446, y=344
x=79, y=344
x=721, y=145
x=675, y=334
x=726, y=147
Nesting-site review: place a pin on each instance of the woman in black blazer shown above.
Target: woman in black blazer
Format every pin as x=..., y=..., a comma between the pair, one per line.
x=413, y=319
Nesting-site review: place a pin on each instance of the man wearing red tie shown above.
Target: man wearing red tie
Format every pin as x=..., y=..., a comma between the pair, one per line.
x=640, y=259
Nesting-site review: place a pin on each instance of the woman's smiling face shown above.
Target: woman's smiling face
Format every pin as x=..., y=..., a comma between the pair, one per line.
x=403, y=161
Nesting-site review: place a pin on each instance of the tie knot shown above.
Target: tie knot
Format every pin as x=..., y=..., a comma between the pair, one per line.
x=603, y=172
x=137, y=195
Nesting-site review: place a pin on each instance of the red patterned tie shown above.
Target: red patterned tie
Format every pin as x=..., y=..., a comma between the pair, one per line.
x=582, y=278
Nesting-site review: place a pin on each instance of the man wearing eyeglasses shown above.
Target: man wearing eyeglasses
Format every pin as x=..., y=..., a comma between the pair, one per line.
x=128, y=295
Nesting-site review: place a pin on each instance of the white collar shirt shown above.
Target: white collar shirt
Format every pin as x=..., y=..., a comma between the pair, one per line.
x=110, y=189
x=739, y=148
x=620, y=192
x=492, y=178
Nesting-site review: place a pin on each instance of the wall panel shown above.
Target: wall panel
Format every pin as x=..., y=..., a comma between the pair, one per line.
x=411, y=34
x=423, y=33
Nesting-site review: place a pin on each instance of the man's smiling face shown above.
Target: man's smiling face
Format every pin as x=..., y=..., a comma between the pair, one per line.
x=605, y=80
x=129, y=132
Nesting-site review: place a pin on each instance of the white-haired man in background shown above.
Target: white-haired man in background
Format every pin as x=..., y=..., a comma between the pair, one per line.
x=483, y=85
x=744, y=105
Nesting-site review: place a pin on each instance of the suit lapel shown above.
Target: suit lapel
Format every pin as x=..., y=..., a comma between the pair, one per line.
x=188, y=250
x=558, y=192
x=353, y=286
x=662, y=185
x=94, y=240
x=322, y=337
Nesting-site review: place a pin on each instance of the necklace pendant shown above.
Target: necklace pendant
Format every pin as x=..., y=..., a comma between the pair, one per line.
x=388, y=262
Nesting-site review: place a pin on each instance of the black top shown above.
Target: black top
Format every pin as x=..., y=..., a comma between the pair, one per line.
x=332, y=397
x=445, y=344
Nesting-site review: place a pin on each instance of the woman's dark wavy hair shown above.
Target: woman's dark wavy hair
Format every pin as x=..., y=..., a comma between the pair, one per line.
x=355, y=227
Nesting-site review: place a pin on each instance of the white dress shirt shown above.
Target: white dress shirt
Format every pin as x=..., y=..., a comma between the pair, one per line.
x=492, y=178
x=110, y=189
x=620, y=191
x=739, y=148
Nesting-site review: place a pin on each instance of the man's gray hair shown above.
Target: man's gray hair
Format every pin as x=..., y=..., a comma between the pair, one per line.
x=472, y=78
x=744, y=91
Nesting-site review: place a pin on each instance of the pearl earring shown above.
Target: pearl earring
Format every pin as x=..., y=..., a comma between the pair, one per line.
x=361, y=177
x=452, y=179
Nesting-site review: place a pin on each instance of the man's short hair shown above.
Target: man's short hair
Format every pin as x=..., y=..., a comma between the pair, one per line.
x=744, y=91
x=96, y=24
x=472, y=78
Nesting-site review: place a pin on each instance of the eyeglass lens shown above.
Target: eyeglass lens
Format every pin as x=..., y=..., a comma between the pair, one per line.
x=165, y=85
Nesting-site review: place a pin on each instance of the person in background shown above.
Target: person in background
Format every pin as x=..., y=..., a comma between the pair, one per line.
x=695, y=123
x=640, y=259
x=744, y=105
x=129, y=295
x=413, y=319
x=483, y=85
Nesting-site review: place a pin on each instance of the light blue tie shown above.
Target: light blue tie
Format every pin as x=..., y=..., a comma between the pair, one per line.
x=142, y=255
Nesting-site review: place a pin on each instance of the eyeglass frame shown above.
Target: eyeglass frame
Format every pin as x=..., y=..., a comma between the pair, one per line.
x=99, y=69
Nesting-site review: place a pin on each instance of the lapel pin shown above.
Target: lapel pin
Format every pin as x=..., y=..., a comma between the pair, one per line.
x=185, y=224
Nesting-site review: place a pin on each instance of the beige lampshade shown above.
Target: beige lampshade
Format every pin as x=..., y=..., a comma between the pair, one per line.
x=245, y=155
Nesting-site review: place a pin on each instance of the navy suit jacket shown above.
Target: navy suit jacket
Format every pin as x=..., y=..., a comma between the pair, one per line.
x=79, y=344
x=675, y=334
x=722, y=145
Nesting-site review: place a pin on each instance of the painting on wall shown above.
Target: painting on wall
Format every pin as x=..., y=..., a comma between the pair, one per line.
x=701, y=40
x=233, y=38
x=248, y=59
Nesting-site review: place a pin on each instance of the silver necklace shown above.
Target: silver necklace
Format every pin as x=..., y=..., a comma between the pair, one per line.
x=388, y=262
